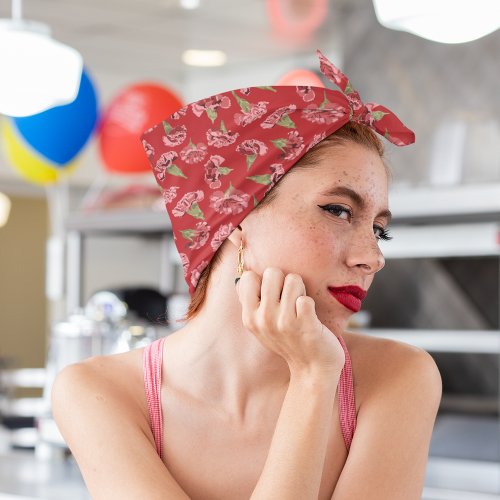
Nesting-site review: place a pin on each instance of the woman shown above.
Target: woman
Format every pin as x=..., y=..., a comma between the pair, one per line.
x=263, y=394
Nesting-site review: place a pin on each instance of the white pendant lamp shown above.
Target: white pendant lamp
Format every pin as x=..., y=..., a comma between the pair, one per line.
x=445, y=21
x=38, y=72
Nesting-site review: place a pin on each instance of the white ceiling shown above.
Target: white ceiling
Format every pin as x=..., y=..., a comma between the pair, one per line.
x=126, y=41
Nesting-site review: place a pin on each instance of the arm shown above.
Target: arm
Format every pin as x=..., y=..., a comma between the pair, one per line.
x=295, y=460
x=388, y=455
x=109, y=436
x=282, y=317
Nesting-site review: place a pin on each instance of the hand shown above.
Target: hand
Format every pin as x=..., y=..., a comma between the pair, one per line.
x=276, y=309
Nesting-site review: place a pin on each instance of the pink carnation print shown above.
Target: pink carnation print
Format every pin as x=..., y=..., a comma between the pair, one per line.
x=306, y=92
x=184, y=262
x=213, y=171
x=254, y=113
x=221, y=138
x=330, y=113
x=170, y=194
x=292, y=146
x=252, y=148
x=354, y=101
x=232, y=201
x=164, y=163
x=371, y=115
x=220, y=235
x=188, y=204
x=180, y=113
x=194, y=153
x=250, y=111
x=174, y=135
x=211, y=105
x=277, y=172
x=198, y=236
x=280, y=117
x=196, y=273
x=150, y=150
x=316, y=140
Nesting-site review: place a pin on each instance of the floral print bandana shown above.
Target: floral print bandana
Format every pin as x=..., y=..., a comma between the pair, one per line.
x=217, y=158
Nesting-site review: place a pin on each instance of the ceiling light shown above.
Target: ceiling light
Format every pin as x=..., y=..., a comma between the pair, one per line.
x=190, y=4
x=38, y=72
x=445, y=21
x=4, y=209
x=205, y=58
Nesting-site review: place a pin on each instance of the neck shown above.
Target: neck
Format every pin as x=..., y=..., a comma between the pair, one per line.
x=223, y=360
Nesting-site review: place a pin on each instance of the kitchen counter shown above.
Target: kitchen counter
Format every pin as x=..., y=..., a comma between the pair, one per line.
x=24, y=477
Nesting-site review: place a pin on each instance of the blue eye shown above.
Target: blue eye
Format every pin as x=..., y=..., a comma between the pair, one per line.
x=338, y=211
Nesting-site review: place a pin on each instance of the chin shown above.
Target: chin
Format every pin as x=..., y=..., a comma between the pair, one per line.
x=334, y=317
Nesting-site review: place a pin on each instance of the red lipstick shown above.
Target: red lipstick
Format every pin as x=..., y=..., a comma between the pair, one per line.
x=349, y=296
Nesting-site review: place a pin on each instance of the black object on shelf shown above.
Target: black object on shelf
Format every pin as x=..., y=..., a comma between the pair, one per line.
x=146, y=303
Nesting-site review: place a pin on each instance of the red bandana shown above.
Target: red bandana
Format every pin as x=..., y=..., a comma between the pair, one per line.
x=215, y=159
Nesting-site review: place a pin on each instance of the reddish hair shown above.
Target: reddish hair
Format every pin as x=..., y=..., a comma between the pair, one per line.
x=350, y=132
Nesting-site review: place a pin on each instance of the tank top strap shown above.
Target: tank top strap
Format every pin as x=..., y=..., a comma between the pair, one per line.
x=347, y=400
x=152, y=365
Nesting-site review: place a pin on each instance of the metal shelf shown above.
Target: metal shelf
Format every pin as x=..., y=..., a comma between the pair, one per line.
x=450, y=240
x=119, y=221
x=474, y=201
x=465, y=341
x=425, y=204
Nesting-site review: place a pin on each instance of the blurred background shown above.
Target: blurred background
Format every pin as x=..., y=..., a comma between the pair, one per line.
x=78, y=204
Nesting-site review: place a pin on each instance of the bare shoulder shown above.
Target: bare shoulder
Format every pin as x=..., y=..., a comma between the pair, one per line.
x=100, y=393
x=101, y=410
x=382, y=365
x=398, y=390
x=115, y=379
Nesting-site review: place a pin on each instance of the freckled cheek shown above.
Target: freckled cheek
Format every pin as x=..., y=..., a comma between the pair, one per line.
x=317, y=248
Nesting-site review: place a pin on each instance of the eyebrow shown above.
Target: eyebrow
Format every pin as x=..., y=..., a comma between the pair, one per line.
x=356, y=198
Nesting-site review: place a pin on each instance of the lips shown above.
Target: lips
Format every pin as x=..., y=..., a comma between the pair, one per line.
x=349, y=296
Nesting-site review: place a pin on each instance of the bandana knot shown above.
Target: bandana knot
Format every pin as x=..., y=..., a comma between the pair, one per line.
x=375, y=116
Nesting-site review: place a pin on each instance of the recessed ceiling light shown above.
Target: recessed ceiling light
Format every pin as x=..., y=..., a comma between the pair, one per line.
x=205, y=58
x=190, y=4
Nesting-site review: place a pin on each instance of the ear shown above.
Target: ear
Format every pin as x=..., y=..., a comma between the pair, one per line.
x=236, y=236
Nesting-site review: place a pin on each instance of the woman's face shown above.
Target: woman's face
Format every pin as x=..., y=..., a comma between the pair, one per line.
x=325, y=225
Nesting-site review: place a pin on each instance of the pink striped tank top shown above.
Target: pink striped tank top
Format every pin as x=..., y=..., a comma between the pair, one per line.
x=152, y=364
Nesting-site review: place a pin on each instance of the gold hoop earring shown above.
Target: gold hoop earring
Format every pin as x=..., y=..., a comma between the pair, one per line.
x=241, y=262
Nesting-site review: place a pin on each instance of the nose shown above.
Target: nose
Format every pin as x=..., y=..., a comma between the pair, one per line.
x=365, y=254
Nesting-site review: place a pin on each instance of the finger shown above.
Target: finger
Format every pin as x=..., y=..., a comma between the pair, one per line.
x=249, y=292
x=271, y=287
x=293, y=288
x=306, y=308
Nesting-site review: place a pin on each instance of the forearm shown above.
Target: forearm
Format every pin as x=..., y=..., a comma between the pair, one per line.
x=295, y=460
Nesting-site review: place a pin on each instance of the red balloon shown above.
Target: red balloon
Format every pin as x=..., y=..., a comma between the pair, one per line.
x=132, y=111
x=300, y=77
x=296, y=19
